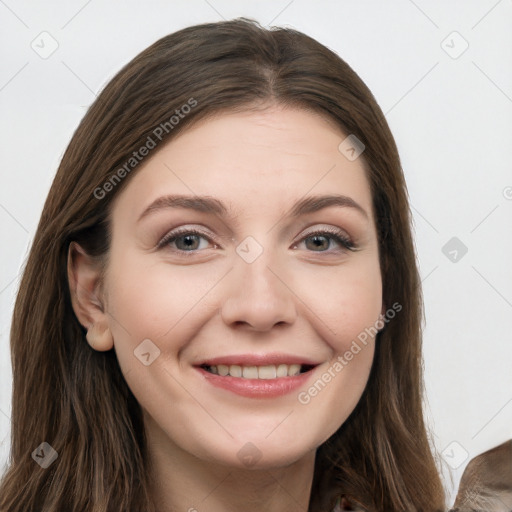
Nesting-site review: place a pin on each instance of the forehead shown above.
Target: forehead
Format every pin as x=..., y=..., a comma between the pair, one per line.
x=253, y=161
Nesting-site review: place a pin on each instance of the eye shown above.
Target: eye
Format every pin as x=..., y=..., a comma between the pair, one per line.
x=320, y=240
x=185, y=240
x=188, y=240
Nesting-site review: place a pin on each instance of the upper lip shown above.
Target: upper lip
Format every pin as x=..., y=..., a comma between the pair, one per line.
x=258, y=360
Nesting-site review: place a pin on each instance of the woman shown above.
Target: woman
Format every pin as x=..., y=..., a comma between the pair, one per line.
x=251, y=370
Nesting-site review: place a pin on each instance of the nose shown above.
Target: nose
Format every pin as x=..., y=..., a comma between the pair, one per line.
x=258, y=297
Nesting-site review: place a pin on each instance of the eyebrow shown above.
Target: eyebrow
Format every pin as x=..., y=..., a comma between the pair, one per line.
x=207, y=204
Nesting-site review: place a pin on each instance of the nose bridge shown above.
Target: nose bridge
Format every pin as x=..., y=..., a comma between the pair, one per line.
x=259, y=275
x=257, y=295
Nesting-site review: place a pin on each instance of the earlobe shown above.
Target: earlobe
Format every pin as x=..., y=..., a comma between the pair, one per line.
x=99, y=336
x=84, y=286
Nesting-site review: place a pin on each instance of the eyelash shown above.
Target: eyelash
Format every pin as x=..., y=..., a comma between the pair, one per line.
x=332, y=233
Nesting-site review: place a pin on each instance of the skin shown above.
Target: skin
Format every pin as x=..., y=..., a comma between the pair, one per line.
x=296, y=297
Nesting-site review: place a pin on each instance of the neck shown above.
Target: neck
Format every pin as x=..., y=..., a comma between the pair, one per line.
x=182, y=482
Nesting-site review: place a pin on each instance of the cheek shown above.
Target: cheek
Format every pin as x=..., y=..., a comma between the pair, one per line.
x=347, y=307
x=155, y=300
x=164, y=304
x=343, y=302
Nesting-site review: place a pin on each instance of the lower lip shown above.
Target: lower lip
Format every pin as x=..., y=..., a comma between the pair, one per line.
x=257, y=388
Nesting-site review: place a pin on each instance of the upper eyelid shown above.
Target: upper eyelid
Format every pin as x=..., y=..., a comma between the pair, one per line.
x=180, y=231
x=311, y=230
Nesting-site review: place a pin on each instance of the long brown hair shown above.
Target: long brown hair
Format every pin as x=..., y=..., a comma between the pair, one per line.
x=76, y=399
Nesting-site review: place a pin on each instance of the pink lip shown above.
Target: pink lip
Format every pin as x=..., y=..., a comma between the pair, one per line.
x=256, y=388
x=258, y=360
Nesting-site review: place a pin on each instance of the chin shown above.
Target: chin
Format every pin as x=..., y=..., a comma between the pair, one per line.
x=260, y=453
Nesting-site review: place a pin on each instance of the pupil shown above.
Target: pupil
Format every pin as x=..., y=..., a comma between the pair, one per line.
x=319, y=241
x=188, y=241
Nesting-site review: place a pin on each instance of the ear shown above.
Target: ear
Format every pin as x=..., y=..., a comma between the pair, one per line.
x=86, y=297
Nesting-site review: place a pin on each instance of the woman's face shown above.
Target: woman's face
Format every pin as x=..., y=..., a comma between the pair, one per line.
x=222, y=262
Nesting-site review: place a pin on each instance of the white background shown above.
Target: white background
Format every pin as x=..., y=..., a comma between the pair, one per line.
x=450, y=114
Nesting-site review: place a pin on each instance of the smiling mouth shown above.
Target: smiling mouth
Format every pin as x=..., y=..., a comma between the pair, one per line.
x=266, y=372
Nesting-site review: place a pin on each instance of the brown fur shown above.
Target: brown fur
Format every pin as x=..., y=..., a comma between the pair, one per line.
x=486, y=484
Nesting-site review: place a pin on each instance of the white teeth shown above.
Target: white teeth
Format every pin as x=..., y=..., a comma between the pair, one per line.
x=256, y=372
x=282, y=370
x=234, y=370
x=267, y=372
x=250, y=372
x=294, y=369
x=223, y=369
